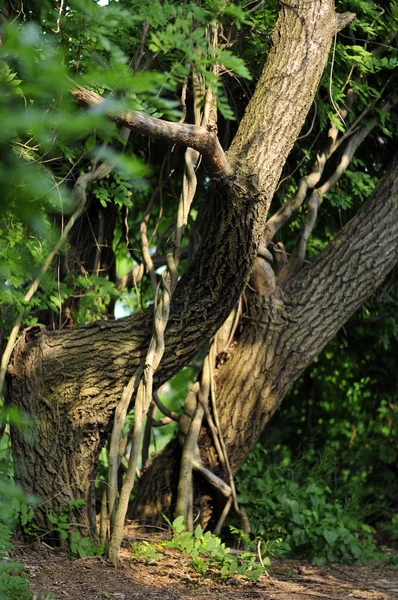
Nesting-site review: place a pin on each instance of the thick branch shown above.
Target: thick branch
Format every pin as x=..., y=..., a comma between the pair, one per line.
x=237, y=210
x=301, y=41
x=76, y=376
x=199, y=138
x=343, y=276
x=288, y=329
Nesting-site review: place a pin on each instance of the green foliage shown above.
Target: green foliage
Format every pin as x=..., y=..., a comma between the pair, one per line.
x=295, y=503
x=274, y=546
x=117, y=190
x=146, y=552
x=60, y=524
x=24, y=514
x=14, y=583
x=210, y=555
x=80, y=545
x=345, y=406
x=98, y=292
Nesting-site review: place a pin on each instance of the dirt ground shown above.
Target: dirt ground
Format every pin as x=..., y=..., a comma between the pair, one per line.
x=54, y=575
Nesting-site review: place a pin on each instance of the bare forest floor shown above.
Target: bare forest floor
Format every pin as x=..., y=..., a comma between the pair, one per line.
x=54, y=575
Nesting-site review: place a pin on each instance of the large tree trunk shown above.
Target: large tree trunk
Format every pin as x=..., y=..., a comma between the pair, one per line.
x=70, y=381
x=281, y=335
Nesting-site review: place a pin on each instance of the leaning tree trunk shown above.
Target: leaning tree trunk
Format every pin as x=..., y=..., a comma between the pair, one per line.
x=70, y=381
x=282, y=334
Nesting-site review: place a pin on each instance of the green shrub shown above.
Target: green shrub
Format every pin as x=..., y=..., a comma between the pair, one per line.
x=14, y=583
x=210, y=555
x=305, y=511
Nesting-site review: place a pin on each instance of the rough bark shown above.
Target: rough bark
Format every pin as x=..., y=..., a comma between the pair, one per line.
x=284, y=332
x=55, y=380
x=301, y=40
x=70, y=381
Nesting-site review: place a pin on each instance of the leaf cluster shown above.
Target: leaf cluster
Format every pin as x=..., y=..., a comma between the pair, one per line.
x=292, y=503
x=14, y=583
x=210, y=555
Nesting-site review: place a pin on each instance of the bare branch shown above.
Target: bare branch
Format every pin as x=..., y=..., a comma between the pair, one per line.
x=298, y=255
x=215, y=481
x=354, y=126
x=145, y=245
x=193, y=136
x=283, y=215
x=160, y=422
x=136, y=60
x=346, y=157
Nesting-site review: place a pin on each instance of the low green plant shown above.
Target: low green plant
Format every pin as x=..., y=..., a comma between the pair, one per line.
x=80, y=545
x=146, y=552
x=303, y=510
x=209, y=554
x=24, y=513
x=264, y=547
x=14, y=584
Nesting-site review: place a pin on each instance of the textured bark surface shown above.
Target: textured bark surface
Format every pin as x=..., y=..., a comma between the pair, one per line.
x=55, y=380
x=301, y=41
x=284, y=332
x=70, y=381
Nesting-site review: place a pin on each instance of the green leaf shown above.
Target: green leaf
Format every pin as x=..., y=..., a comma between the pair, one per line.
x=178, y=524
x=52, y=518
x=198, y=532
x=330, y=536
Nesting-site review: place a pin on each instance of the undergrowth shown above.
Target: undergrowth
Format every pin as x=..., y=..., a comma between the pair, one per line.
x=208, y=554
x=301, y=506
x=14, y=583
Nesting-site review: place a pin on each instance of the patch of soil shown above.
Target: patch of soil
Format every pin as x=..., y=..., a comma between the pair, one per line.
x=54, y=575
